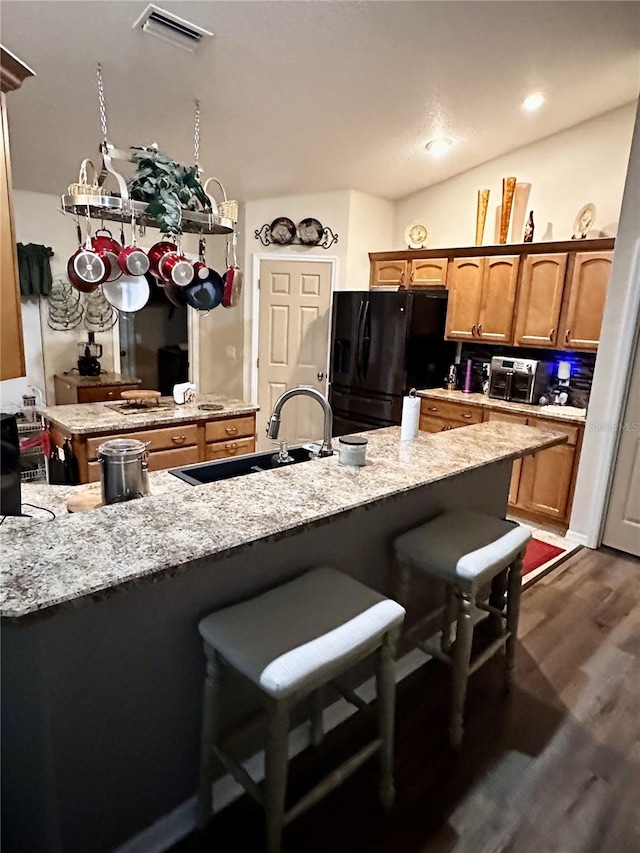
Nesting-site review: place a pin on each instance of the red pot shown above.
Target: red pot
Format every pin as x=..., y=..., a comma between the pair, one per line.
x=109, y=250
x=176, y=268
x=133, y=261
x=156, y=252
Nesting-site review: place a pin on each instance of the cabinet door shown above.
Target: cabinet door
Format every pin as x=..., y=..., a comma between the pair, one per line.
x=429, y=272
x=464, y=280
x=587, y=294
x=11, y=343
x=516, y=470
x=545, y=481
x=388, y=273
x=499, y=282
x=101, y=393
x=431, y=424
x=540, y=300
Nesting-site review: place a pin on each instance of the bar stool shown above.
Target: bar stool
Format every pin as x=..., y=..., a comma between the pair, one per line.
x=290, y=642
x=466, y=550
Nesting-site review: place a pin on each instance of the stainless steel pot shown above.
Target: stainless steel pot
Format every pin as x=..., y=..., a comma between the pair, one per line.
x=125, y=473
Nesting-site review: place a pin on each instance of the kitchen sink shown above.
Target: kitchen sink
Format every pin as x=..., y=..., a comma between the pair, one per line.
x=226, y=469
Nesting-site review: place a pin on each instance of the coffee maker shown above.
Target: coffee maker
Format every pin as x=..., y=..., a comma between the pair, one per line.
x=88, y=354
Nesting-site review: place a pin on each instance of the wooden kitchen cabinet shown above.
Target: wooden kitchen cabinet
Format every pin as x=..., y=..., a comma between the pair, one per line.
x=507, y=417
x=464, y=280
x=73, y=388
x=430, y=272
x=540, y=300
x=585, y=296
x=387, y=273
x=12, y=363
x=482, y=294
x=545, y=482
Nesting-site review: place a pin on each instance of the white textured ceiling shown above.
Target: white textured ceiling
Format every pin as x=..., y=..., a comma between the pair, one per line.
x=303, y=97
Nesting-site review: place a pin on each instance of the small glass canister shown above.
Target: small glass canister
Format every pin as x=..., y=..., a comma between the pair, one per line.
x=352, y=450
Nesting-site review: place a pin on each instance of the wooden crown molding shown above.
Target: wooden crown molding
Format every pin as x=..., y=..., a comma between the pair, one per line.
x=13, y=72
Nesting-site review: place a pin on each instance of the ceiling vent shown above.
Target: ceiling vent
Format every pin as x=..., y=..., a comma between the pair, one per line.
x=170, y=28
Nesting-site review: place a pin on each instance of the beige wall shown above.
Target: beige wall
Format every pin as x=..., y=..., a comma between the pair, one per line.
x=586, y=163
x=370, y=230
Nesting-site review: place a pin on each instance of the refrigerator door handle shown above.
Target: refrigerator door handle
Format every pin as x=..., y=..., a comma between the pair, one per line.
x=366, y=338
x=359, y=341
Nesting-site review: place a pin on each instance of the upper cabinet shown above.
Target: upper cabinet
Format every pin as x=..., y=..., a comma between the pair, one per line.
x=12, y=365
x=430, y=272
x=385, y=273
x=540, y=300
x=482, y=293
x=587, y=279
x=546, y=295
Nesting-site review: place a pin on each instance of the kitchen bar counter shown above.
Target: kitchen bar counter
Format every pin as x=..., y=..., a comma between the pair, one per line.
x=47, y=564
x=86, y=418
x=557, y=413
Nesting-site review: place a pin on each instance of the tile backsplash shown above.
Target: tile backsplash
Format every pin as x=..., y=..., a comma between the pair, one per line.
x=582, y=366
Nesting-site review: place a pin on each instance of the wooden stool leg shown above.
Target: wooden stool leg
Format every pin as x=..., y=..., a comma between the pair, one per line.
x=276, y=768
x=404, y=582
x=513, y=615
x=461, y=658
x=386, y=707
x=210, y=730
x=448, y=616
x=316, y=720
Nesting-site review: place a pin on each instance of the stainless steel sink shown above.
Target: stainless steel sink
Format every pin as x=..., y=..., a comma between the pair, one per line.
x=226, y=469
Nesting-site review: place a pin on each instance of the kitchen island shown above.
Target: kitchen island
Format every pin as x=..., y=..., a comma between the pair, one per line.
x=102, y=663
x=211, y=427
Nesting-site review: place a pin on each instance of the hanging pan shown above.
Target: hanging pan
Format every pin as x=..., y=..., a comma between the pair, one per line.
x=85, y=268
x=128, y=294
x=232, y=279
x=207, y=289
x=132, y=260
x=109, y=250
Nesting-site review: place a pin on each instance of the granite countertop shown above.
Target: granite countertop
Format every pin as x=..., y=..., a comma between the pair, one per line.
x=43, y=564
x=82, y=418
x=556, y=413
x=105, y=378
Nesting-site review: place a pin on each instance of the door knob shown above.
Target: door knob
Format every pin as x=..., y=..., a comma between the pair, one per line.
x=320, y=376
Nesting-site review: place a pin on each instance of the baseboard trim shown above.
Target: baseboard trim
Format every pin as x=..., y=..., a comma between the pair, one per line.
x=177, y=824
x=580, y=539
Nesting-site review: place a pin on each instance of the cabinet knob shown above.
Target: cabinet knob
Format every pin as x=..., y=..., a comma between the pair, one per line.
x=479, y=330
x=466, y=416
x=567, y=336
x=433, y=408
x=552, y=333
x=473, y=330
x=231, y=445
x=178, y=439
x=231, y=430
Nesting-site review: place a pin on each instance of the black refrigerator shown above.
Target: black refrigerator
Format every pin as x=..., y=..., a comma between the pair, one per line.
x=382, y=345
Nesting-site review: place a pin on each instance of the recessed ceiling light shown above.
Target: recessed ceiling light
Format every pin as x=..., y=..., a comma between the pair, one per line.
x=533, y=102
x=439, y=147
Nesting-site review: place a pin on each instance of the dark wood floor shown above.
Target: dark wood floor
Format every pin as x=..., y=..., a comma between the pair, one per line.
x=555, y=766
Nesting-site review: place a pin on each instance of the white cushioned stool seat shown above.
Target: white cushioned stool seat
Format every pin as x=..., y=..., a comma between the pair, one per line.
x=463, y=547
x=286, y=637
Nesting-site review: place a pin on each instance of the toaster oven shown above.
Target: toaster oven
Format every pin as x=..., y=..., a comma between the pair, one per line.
x=520, y=380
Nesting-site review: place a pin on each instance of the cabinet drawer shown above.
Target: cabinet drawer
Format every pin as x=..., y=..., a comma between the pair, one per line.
x=451, y=411
x=102, y=393
x=223, y=449
x=547, y=425
x=167, y=438
x=158, y=461
x=230, y=428
x=505, y=417
x=430, y=424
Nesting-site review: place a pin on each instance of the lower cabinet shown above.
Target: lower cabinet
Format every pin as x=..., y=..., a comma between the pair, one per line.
x=541, y=486
x=169, y=447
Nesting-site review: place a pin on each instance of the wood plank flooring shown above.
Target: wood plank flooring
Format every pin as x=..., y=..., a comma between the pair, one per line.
x=552, y=768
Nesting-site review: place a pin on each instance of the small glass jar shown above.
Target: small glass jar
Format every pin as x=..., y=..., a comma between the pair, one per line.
x=352, y=450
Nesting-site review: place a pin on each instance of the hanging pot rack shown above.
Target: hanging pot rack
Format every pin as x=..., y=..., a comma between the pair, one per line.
x=94, y=201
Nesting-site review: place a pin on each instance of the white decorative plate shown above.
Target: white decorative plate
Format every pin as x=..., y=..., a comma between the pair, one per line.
x=584, y=221
x=416, y=235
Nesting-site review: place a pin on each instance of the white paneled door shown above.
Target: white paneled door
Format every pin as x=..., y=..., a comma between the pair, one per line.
x=295, y=300
x=622, y=528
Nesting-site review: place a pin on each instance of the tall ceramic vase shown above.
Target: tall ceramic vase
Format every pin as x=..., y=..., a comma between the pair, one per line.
x=508, y=189
x=481, y=215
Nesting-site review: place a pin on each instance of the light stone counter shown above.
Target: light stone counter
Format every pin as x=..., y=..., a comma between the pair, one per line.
x=556, y=413
x=84, y=418
x=47, y=564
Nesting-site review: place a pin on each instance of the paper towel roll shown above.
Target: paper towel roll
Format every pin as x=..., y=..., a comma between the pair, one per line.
x=410, y=418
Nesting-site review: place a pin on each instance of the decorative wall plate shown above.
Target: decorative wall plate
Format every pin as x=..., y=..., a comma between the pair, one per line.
x=310, y=231
x=416, y=235
x=283, y=230
x=584, y=221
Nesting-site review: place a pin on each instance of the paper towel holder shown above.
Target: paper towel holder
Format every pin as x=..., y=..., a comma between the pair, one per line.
x=413, y=393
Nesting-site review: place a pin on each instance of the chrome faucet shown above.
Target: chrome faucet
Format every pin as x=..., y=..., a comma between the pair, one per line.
x=273, y=427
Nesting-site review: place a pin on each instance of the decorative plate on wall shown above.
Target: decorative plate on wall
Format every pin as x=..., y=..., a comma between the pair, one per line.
x=282, y=230
x=416, y=235
x=310, y=231
x=584, y=221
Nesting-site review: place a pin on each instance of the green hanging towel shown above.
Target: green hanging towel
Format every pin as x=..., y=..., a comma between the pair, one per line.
x=34, y=269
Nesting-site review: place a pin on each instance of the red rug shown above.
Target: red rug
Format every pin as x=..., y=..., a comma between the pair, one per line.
x=538, y=553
